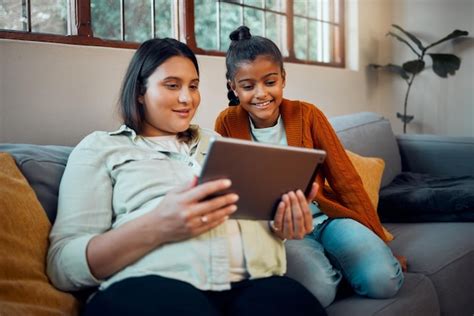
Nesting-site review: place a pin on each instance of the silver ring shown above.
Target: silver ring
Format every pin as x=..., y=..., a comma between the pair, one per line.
x=204, y=219
x=272, y=225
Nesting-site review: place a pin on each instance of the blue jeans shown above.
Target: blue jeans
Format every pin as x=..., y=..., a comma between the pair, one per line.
x=343, y=247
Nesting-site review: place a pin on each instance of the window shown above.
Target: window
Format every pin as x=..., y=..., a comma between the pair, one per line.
x=307, y=31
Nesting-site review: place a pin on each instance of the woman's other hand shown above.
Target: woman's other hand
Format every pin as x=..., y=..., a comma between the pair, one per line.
x=293, y=218
x=184, y=213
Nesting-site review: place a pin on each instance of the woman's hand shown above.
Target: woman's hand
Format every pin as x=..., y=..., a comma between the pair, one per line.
x=293, y=218
x=184, y=213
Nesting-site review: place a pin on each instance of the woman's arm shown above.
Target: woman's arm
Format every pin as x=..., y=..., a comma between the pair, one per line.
x=84, y=248
x=177, y=217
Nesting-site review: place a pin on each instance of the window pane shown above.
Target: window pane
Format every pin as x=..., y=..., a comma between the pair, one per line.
x=314, y=8
x=275, y=5
x=255, y=3
x=314, y=43
x=11, y=15
x=336, y=11
x=301, y=38
x=49, y=16
x=205, y=24
x=105, y=15
x=137, y=20
x=299, y=7
x=164, y=26
x=276, y=30
x=253, y=19
x=327, y=32
x=230, y=19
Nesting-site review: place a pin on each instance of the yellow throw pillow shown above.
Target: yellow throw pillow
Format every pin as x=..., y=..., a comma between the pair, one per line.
x=370, y=170
x=24, y=230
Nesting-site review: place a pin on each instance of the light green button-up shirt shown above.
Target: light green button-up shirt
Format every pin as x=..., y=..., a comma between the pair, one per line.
x=112, y=178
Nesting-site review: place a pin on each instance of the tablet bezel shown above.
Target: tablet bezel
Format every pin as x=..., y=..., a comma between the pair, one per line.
x=235, y=156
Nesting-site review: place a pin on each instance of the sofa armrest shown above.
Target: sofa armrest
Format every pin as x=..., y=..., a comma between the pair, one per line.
x=437, y=155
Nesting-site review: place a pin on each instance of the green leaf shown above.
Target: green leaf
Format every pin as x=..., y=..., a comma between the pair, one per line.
x=414, y=66
x=444, y=64
x=405, y=118
x=454, y=34
x=410, y=36
x=404, y=41
x=391, y=68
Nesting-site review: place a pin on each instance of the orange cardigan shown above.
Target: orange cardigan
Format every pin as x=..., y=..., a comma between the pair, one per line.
x=307, y=126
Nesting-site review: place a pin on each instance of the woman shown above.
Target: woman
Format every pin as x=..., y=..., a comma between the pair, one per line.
x=132, y=220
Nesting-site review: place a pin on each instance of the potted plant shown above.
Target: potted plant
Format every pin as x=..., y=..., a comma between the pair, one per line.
x=443, y=64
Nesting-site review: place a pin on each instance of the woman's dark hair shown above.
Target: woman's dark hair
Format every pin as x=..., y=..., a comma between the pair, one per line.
x=149, y=56
x=246, y=48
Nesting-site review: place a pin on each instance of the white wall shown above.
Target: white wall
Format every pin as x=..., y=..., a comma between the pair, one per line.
x=56, y=94
x=441, y=106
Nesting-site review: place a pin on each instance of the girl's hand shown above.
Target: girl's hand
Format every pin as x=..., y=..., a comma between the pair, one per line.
x=293, y=218
x=183, y=213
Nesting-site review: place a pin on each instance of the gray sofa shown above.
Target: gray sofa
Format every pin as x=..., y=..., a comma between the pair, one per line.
x=440, y=278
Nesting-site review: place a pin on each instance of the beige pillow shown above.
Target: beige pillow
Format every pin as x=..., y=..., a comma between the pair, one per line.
x=370, y=170
x=24, y=230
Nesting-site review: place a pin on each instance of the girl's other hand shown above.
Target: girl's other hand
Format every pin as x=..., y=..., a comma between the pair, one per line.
x=184, y=213
x=293, y=218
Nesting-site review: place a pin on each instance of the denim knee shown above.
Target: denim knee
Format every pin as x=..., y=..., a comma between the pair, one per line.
x=307, y=264
x=379, y=281
x=364, y=259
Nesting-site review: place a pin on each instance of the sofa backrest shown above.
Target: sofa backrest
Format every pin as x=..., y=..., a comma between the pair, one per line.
x=369, y=134
x=365, y=133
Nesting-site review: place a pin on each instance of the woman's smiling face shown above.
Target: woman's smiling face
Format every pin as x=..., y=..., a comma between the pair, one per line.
x=171, y=97
x=259, y=85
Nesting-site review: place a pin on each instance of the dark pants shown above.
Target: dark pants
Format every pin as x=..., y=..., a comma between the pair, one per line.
x=154, y=295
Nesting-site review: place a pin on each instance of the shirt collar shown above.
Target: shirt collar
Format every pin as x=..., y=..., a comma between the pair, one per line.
x=124, y=129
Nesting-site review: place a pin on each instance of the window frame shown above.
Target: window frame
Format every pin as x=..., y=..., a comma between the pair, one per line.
x=81, y=29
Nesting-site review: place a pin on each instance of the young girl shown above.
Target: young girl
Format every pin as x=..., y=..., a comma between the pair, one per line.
x=348, y=237
x=132, y=220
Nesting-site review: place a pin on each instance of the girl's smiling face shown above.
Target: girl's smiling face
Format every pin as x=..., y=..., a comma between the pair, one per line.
x=171, y=97
x=259, y=85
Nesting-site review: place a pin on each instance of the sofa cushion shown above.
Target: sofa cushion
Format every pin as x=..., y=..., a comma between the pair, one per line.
x=417, y=296
x=370, y=170
x=369, y=134
x=415, y=197
x=445, y=253
x=24, y=231
x=43, y=167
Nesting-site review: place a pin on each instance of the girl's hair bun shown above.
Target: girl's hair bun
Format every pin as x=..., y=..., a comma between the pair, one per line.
x=241, y=33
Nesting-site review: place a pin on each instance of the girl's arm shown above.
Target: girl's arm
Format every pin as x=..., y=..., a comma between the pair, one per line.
x=343, y=178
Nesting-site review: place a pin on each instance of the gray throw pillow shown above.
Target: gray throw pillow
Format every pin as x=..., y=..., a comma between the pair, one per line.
x=43, y=167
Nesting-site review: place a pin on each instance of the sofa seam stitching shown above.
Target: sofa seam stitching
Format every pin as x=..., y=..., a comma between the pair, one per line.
x=360, y=125
x=416, y=286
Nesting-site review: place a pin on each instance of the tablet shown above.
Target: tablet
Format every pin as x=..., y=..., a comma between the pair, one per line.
x=260, y=173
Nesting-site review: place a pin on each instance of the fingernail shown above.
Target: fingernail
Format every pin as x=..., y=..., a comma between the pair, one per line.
x=226, y=218
x=227, y=182
x=233, y=208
